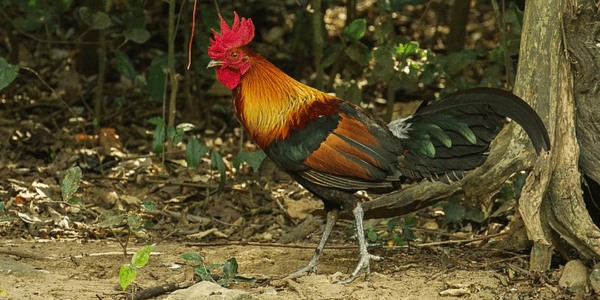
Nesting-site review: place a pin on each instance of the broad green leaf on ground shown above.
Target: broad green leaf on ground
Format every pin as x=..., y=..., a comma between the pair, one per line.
x=158, y=138
x=454, y=212
x=70, y=183
x=141, y=257
x=194, y=152
x=192, y=256
x=253, y=158
x=217, y=161
x=230, y=268
x=8, y=73
x=127, y=275
x=124, y=65
x=111, y=218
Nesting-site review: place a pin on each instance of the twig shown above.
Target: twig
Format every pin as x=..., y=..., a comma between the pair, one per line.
x=158, y=290
x=272, y=245
x=453, y=242
x=112, y=253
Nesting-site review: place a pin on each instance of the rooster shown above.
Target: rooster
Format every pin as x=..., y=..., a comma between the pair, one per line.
x=334, y=148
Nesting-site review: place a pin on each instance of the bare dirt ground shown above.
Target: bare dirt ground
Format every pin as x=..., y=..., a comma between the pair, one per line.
x=75, y=270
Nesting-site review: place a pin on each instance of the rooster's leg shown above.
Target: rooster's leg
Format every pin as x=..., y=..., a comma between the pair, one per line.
x=332, y=216
x=364, y=262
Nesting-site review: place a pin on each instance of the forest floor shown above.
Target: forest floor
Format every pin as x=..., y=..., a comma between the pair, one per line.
x=90, y=270
x=58, y=247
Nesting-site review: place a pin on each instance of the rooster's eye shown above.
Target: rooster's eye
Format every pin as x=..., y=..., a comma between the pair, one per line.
x=234, y=55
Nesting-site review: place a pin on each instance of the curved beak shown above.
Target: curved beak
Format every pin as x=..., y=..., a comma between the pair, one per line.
x=214, y=63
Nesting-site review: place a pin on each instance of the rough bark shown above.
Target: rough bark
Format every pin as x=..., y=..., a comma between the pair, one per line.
x=552, y=199
x=551, y=203
x=582, y=31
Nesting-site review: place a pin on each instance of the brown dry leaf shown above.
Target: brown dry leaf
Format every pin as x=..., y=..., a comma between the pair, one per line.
x=300, y=209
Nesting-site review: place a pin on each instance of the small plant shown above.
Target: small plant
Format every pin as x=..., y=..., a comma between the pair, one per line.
x=228, y=274
x=8, y=73
x=406, y=227
x=455, y=212
x=128, y=272
x=398, y=230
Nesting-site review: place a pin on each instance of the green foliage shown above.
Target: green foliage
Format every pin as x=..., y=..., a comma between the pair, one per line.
x=405, y=226
x=355, y=30
x=228, y=274
x=455, y=212
x=157, y=78
x=216, y=160
x=70, y=183
x=8, y=73
x=111, y=218
x=124, y=65
x=149, y=205
x=254, y=159
x=128, y=272
x=194, y=152
x=158, y=138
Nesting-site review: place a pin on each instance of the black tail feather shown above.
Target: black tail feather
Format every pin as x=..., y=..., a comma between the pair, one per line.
x=484, y=112
x=500, y=102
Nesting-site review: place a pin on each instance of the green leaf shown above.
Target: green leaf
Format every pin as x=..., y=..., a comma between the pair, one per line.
x=398, y=241
x=454, y=212
x=134, y=222
x=244, y=279
x=149, y=205
x=384, y=62
x=2, y=207
x=141, y=257
x=124, y=65
x=192, y=256
x=171, y=132
x=111, y=218
x=158, y=138
x=156, y=120
x=408, y=233
x=403, y=51
x=254, y=159
x=475, y=215
x=355, y=30
x=358, y=52
x=331, y=54
x=70, y=183
x=194, y=152
x=127, y=275
x=223, y=282
x=203, y=272
x=138, y=35
x=8, y=73
x=217, y=161
x=372, y=235
x=230, y=268
x=100, y=20
x=458, y=61
x=157, y=77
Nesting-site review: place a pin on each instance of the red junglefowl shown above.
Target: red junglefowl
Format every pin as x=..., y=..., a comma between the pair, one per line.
x=334, y=149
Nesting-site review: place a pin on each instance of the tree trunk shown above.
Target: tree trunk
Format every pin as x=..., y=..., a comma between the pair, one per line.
x=551, y=203
x=552, y=199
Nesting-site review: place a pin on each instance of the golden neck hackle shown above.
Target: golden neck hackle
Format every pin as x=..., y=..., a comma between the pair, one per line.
x=269, y=102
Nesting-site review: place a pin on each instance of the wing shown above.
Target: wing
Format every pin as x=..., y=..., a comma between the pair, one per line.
x=346, y=150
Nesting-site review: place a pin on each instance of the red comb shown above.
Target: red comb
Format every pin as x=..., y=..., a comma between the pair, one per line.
x=241, y=33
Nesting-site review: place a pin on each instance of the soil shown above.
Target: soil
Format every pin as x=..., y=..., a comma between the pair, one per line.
x=89, y=270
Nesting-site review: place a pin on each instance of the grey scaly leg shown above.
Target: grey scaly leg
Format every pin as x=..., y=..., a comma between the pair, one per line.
x=364, y=262
x=332, y=216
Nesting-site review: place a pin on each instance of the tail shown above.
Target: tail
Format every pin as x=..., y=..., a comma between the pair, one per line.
x=452, y=135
